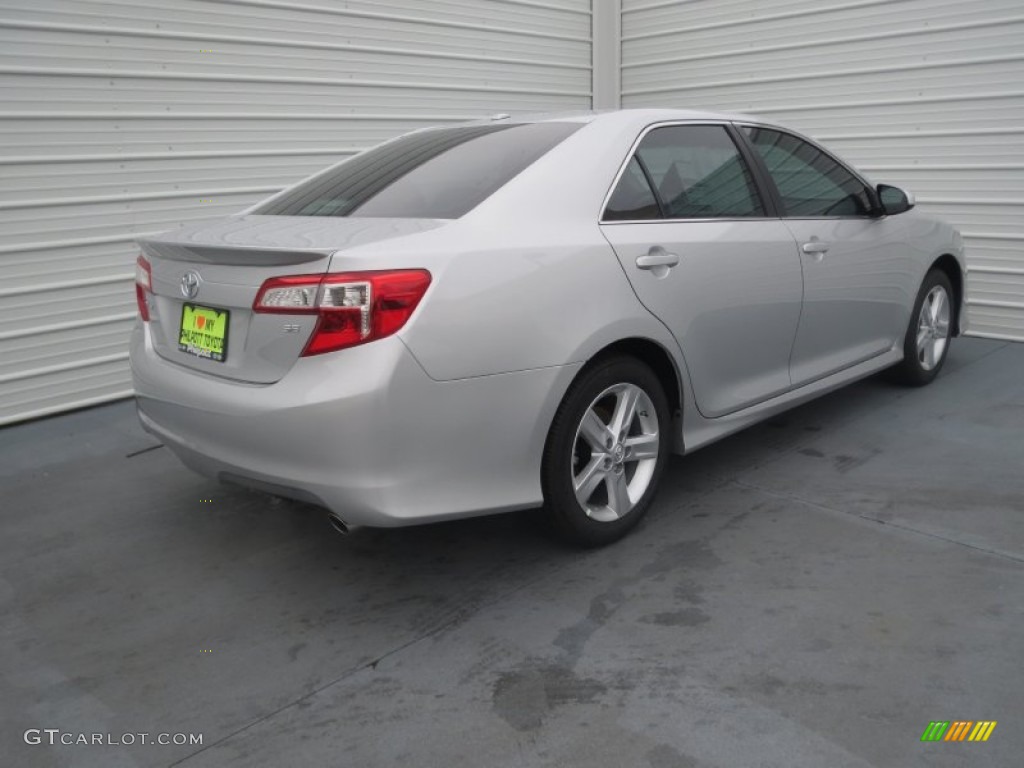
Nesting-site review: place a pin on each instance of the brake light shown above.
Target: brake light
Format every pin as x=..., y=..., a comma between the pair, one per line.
x=143, y=286
x=352, y=308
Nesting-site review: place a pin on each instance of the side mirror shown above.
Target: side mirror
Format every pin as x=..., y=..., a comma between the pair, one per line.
x=894, y=200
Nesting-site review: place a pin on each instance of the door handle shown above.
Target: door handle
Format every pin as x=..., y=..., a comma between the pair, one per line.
x=656, y=258
x=814, y=247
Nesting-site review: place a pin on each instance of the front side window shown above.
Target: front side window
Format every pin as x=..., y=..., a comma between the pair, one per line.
x=436, y=174
x=697, y=173
x=810, y=182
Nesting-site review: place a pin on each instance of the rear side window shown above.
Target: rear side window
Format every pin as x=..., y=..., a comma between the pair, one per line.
x=437, y=174
x=696, y=172
x=810, y=182
x=632, y=199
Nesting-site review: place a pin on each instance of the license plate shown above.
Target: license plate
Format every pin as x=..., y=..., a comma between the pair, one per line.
x=204, y=332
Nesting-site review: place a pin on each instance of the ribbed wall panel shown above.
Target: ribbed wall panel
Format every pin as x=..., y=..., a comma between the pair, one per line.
x=928, y=94
x=123, y=117
x=43, y=180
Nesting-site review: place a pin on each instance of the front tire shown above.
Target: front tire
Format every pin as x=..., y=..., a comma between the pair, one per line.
x=926, y=343
x=606, y=452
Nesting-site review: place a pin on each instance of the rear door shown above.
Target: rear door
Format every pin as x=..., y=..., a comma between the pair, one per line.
x=703, y=252
x=858, y=271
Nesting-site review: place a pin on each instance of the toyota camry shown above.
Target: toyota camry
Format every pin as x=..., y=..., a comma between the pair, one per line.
x=531, y=313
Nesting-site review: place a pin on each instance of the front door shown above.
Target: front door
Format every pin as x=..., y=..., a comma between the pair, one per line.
x=857, y=267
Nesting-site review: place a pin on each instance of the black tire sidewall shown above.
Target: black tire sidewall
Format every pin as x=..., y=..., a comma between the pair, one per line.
x=563, y=510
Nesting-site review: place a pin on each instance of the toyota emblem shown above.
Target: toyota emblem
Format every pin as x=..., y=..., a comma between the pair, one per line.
x=190, y=284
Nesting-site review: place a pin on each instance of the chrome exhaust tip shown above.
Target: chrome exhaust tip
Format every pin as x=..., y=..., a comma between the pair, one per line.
x=338, y=524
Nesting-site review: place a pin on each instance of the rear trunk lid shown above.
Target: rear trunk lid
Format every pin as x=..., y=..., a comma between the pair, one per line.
x=205, y=278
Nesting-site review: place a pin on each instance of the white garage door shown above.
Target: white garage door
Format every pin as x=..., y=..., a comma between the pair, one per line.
x=928, y=94
x=122, y=117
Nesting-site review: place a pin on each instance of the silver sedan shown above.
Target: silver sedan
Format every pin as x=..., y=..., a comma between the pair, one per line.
x=517, y=313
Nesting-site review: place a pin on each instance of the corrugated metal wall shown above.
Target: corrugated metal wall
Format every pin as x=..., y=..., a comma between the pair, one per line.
x=924, y=93
x=121, y=117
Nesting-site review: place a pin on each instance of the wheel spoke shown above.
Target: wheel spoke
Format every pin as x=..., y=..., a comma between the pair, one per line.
x=595, y=431
x=641, y=447
x=618, y=493
x=938, y=302
x=586, y=482
x=625, y=411
x=922, y=336
x=926, y=309
x=929, y=355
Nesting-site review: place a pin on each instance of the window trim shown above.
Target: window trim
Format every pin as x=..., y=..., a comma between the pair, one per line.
x=876, y=208
x=766, y=195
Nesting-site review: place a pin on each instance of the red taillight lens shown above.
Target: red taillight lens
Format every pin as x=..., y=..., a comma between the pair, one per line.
x=143, y=286
x=353, y=307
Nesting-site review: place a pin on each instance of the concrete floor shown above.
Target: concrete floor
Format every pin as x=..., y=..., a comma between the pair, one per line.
x=811, y=592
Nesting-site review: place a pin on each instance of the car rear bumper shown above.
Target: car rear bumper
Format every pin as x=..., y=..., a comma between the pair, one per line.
x=364, y=432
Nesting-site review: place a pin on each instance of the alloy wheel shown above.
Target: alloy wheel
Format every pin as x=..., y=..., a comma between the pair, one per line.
x=615, y=452
x=933, y=328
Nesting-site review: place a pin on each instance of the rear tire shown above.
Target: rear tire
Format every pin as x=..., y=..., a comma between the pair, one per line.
x=926, y=343
x=605, y=453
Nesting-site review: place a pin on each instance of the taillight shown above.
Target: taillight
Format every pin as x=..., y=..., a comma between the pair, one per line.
x=143, y=286
x=352, y=308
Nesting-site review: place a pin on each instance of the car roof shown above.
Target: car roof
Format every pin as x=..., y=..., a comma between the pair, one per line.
x=623, y=116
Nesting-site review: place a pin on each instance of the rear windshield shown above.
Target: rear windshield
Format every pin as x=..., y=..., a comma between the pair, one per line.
x=437, y=174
